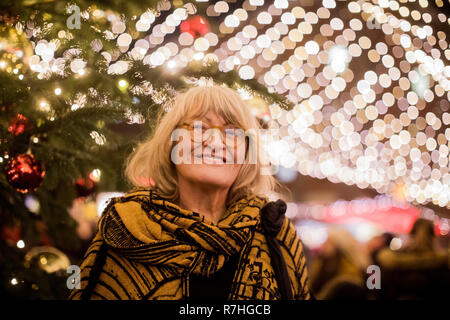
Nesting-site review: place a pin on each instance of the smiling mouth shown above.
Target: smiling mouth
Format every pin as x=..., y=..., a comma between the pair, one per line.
x=212, y=160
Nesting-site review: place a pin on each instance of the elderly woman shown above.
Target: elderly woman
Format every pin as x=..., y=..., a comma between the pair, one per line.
x=205, y=228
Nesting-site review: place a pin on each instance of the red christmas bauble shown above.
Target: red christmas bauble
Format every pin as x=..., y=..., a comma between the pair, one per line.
x=24, y=173
x=18, y=125
x=197, y=26
x=85, y=187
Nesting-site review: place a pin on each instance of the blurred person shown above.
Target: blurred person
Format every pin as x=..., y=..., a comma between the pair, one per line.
x=419, y=270
x=205, y=229
x=338, y=272
x=376, y=244
x=373, y=247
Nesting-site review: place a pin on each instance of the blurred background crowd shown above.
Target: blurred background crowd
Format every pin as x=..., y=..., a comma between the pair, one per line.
x=412, y=266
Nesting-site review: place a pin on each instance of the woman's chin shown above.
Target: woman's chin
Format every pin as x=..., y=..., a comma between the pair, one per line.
x=213, y=174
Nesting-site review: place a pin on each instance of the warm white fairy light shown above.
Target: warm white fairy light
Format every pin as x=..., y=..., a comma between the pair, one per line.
x=172, y=64
x=246, y=72
x=124, y=39
x=20, y=244
x=338, y=58
x=44, y=106
x=98, y=138
x=256, y=2
x=198, y=56
x=95, y=175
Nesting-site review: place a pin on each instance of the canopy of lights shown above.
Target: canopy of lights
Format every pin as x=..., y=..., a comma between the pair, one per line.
x=369, y=80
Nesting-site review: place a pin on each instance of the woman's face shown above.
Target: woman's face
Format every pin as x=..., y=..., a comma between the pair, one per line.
x=208, y=166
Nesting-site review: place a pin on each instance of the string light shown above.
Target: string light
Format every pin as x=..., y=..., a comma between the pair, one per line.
x=198, y=56
x=95, y=175
x=172, y=64
x=123, y=84
x=44, y=106
x=396, y=244
x=20, y=244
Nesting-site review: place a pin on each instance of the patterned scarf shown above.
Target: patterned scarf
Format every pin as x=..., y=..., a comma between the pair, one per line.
x=146, y=248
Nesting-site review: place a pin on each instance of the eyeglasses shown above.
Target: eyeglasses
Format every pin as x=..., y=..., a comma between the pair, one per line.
x=199, y=132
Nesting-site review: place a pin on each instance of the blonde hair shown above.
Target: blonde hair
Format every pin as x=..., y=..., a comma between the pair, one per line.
x=152, y=158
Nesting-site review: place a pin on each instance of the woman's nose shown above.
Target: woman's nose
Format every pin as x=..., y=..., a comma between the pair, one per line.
x=213, y=139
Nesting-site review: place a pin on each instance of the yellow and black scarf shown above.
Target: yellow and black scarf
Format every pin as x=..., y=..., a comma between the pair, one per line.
x=146, y=248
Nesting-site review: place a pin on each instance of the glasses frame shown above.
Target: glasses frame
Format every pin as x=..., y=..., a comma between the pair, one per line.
x=190, y=127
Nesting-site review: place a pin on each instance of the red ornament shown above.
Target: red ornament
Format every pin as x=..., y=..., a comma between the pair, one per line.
x=11, y=234
x=24, y=173
x=18, y=125
x=197, y=26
